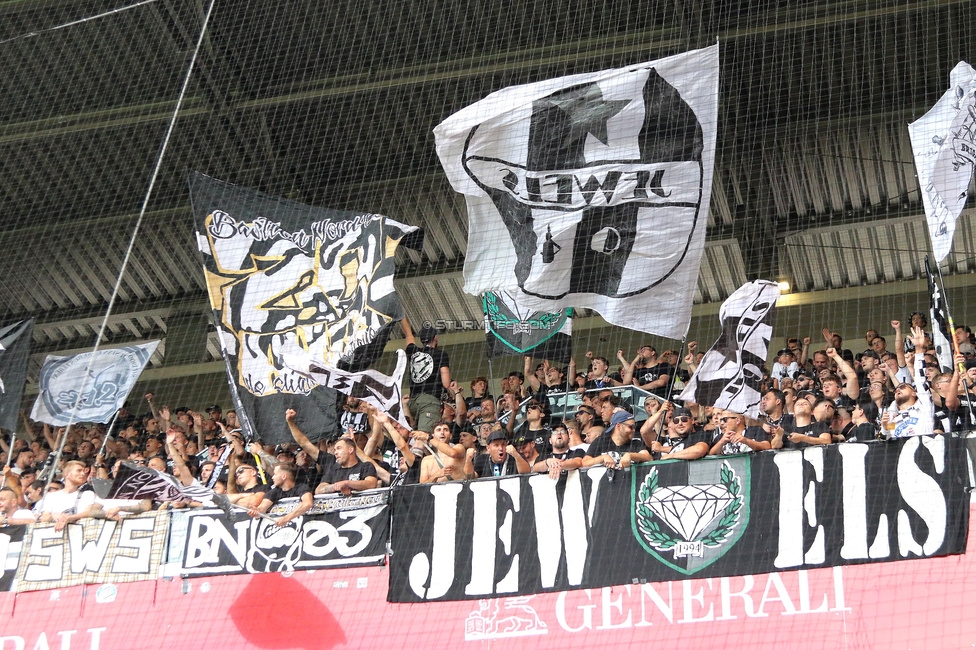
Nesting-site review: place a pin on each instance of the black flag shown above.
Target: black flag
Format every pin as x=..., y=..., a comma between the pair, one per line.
x=15, y=340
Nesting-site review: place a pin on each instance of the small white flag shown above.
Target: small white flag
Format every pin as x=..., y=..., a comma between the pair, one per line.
x=88, y=387
x=944, y=145
x=730, y=374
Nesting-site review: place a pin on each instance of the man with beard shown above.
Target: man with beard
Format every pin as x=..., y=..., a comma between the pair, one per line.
x=912, y=413
x=501, y=459
x=617, y=448
x=737, y=438
x=347, y=474
x=561, y=459
x=685, y=441
x=589, y=429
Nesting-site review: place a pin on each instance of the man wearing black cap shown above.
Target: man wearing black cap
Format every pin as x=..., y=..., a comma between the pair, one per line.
x=501, y=459
x=430, y=375
x=685, y=441
x=617, y=448
x=561, y=459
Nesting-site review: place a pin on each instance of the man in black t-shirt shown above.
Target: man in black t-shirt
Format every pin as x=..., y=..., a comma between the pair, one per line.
x=347, y=474
x=617, y=448
x=430, y=375
x=284, y=486
x=561, y=459
x=499, y=461
x=684, y=441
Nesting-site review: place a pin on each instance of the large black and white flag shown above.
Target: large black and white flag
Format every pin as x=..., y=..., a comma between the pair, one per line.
x=512, y=329
x=941, y=336
x=89, y=387
x=287, y=278
x=591, y=190
x=730, y=374
x=944, y=145
x=15, y=343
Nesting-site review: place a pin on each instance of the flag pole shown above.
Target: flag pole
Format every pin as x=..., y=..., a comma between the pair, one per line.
x=961, y=368
x=108, y=432
x=674, y=376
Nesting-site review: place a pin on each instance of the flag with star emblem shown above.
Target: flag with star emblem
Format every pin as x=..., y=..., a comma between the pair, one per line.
x=287, y=279
x=729, y=376
x=591, y=190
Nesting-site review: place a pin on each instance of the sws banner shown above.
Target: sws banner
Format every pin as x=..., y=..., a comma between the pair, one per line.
x=337, y=532
x=93, y=551
x=735, y=515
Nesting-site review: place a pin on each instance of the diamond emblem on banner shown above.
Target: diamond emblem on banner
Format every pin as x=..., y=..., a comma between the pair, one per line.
x=688, y=525
x=689, y=509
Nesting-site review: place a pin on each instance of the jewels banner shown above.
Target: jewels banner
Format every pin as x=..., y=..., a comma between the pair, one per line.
x=719, y=516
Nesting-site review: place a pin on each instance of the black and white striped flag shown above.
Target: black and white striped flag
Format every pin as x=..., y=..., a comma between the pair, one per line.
x=730, y=374
x=941, y=336
x=136, y=482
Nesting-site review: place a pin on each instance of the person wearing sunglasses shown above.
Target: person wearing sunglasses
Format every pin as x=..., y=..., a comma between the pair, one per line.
x=737, y=438
x=589, y=429
x=684, y=440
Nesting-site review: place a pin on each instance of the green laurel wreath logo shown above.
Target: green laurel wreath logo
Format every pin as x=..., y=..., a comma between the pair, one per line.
x=541, y=320
x=661, y=539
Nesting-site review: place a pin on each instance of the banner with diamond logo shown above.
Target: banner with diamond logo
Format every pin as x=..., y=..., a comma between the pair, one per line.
x=689, y=526
x=715, y=517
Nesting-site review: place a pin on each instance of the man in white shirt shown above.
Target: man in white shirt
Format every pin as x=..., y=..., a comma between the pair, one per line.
x=69, y=504
x=912, y=412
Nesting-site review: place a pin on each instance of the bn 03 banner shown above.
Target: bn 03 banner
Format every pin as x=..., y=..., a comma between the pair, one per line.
x=733, y=515
x=337, y=532
x=93, y=551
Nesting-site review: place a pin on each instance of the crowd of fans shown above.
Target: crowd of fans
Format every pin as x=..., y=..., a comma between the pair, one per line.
x=829, y=396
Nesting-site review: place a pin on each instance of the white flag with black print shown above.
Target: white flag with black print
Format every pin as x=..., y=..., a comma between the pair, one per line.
x=944, y=145
x=370, y=386
x=591, y=190
x=730, y=374
x=88, y=387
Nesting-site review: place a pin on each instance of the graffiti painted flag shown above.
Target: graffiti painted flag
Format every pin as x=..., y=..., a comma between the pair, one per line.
x=730, y=374
x=591, y=190
x=944, y=145
x=511, y=328
x=89, y=387
x=286, y=278
x=15, y=343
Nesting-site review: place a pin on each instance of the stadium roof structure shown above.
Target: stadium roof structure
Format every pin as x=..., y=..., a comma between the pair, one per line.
x=333, y=104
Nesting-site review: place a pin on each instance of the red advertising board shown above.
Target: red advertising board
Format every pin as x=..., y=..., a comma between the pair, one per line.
x=912, y=604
